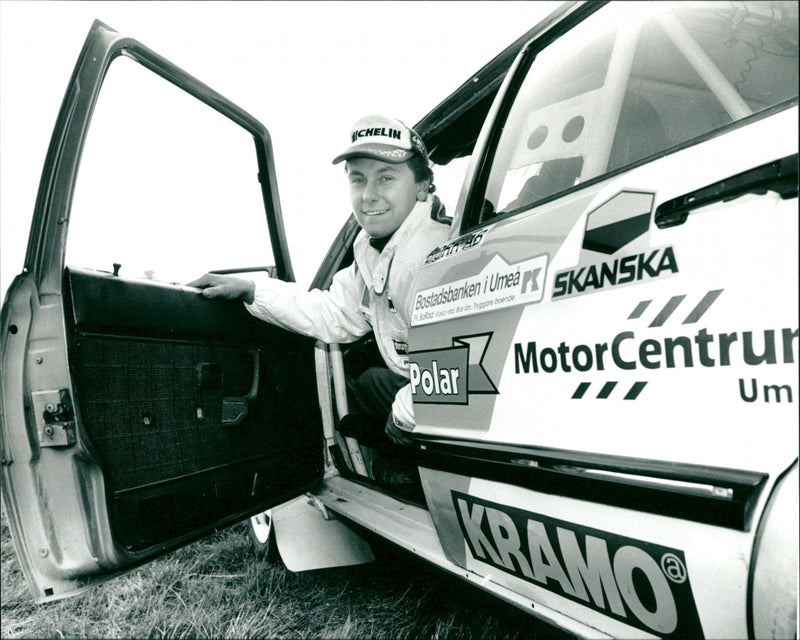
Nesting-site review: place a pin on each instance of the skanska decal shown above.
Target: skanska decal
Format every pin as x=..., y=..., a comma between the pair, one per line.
x=618, y=221
x=452, y=374
x=497, y=286
x=622, y=222
x=632, y=268
x=627, y=351
x=639, y=583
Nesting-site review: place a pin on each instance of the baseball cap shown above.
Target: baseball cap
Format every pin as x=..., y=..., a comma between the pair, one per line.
x=383, y=138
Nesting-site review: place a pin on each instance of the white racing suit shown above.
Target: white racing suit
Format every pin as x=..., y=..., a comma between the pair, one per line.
x=375, y=293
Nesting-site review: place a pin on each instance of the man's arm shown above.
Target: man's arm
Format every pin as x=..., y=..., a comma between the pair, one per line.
x=331, y=316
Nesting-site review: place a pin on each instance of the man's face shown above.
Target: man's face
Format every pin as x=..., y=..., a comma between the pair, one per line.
x=382, y=194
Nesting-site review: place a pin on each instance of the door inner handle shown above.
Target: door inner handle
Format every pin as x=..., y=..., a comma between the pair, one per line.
x=235, y=409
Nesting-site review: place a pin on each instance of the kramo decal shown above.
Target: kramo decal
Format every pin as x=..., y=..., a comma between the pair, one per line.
x=639, y=583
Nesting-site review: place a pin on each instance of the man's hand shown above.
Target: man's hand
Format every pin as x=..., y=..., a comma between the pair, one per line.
x=225, y=287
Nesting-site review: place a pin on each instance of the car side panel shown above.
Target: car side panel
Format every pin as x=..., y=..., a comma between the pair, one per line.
x=636, y=390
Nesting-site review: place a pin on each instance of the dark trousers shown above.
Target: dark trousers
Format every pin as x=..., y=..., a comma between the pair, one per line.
x=370, y=398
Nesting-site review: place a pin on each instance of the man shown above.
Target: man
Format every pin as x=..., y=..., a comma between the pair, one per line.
x=391, y=187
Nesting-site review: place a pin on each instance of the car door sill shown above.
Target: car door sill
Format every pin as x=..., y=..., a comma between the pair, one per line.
x=411, y=527
x=403, y=523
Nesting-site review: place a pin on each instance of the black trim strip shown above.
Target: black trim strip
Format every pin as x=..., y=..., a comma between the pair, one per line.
x=711, y=495
x=779, y=176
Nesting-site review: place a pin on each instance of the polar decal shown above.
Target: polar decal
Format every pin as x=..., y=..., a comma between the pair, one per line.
x=497, y=286
x=440, y=376
x=639, y=583
x=450, y=375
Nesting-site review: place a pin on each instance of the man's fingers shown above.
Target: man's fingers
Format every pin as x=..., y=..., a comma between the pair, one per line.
x=222, y=291
x=219, y=286
x=212, y=292
x=201, y=282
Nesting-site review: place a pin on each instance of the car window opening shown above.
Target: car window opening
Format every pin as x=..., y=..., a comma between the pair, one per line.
x=607, y=97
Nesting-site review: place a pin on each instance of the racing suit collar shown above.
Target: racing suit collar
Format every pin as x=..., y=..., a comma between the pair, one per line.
x=379, y=276
x=380, y=243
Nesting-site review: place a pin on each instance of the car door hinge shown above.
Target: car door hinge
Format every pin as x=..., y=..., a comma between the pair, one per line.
x=55, y=419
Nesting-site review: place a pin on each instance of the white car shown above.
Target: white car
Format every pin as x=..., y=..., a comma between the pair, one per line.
x=604, y=356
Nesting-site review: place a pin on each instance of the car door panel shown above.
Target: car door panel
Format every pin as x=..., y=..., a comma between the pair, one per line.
x=152, y=389
x=137, y=415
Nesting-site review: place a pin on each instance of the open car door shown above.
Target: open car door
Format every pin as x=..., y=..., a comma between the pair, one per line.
x=137, y=415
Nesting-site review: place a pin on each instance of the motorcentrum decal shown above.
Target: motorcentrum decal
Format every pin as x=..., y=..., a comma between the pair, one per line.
x=640, y=583
x=627, y=352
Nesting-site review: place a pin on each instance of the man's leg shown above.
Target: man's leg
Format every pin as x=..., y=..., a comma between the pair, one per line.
x=370, y=399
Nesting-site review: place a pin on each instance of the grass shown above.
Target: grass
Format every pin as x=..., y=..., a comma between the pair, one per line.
x=219, y=588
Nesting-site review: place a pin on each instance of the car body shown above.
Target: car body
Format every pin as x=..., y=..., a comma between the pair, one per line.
x=603, y=357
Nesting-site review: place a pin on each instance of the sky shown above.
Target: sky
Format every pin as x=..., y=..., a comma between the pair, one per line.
x=306, y=70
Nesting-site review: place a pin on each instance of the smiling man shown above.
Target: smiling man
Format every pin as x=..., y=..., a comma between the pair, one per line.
x=391, y=186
